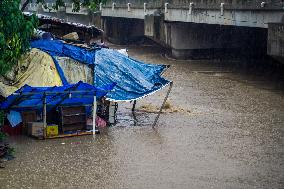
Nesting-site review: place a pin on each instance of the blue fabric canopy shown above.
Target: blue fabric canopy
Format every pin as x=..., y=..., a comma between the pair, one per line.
x=78, y=94
x=134, y=79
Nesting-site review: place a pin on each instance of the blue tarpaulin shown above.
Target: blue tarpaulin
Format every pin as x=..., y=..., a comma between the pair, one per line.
x=134, y=79
x=78, y=94
x=14, y=118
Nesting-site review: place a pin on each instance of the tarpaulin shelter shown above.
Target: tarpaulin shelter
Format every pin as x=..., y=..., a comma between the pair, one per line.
x=44, y=99
x=134, y=79
x=79, y=94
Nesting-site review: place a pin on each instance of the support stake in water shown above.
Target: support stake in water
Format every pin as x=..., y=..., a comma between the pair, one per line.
x=163, y=105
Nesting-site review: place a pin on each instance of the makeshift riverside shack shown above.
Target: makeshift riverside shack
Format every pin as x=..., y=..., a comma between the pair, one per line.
x=99, y=67
x=57, y=99
x=61, y=27
x=134, y=79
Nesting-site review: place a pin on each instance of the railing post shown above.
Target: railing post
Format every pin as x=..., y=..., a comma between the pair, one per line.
x=128, y=7
x=145, y=7
x=113, y=5
x=222, y=8
x=190, y=8
x=166, y=7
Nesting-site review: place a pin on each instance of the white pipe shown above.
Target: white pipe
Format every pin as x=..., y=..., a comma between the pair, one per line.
x=113, y=5
x=94, y=114
x=166, y=7
x=190, y=8
x=128, y=7
x=101, y=6
x=145, y=7
x=222, y=8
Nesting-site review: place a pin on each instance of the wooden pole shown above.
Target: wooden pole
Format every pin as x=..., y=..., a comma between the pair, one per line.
x=44, y=116
x=95, y=102
x=165, y=100
x=94, y=114
x=134, y=105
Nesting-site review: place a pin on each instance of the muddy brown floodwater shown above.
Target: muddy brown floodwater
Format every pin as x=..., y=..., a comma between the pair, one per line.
x=226, y=132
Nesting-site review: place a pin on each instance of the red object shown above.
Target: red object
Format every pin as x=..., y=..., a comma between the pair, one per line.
x=12, y=130
x=100, y=122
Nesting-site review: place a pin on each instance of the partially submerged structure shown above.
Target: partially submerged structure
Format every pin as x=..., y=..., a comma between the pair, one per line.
x=60, y=27
x=116, y=78
x=50, y=100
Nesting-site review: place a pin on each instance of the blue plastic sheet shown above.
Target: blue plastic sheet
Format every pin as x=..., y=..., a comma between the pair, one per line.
x=14, y=118
x=134, y=79
x=59, y=48
x=60, y=71
x=77, y=94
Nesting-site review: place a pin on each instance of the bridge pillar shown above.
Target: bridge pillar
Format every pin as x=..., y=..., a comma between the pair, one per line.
x=276, y=41
x=190, y=40
x=122, y=30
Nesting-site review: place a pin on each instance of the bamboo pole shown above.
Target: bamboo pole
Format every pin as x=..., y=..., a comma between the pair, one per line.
x=61, y=92
x=164, y=102
x=134, y=105
x=94, y=114
x=44, y=116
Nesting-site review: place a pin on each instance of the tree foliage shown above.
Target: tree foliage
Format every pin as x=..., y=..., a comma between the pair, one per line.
x=92, y=4
x=15, y=33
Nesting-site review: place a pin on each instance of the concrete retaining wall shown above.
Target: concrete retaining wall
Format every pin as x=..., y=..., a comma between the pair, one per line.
x=275, y=44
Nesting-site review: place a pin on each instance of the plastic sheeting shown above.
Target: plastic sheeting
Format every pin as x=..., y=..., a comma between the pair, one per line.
x=78, y=94
x=14, y=118
x=134, y=79
x=75, y=71
x=36, y=68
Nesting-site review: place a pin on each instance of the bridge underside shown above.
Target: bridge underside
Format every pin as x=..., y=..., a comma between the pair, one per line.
x=189, y=40
x=123, y=31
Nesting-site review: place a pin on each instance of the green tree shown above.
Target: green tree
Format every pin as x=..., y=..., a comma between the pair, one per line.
x=92, y=4
x=16, y=29
x=15, y=33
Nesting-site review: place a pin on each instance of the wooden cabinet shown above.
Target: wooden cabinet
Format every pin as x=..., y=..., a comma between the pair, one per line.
x=73, y=118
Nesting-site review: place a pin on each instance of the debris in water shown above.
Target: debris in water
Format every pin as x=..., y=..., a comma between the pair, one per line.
x=168, y=108
x=167, y=105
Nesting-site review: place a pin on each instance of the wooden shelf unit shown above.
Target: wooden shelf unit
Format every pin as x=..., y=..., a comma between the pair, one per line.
x=73, y=118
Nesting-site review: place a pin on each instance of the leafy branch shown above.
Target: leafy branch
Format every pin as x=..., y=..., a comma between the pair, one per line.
x=92, y=4
x=15, y=33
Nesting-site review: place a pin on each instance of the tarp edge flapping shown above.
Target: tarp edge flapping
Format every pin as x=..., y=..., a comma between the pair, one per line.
x=144, y=96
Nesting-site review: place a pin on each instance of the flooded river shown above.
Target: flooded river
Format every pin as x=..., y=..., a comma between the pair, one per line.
x=225, y=131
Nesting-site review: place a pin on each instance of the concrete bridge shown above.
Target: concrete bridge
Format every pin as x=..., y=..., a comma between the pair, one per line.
x=249, y=13
x=195, y=28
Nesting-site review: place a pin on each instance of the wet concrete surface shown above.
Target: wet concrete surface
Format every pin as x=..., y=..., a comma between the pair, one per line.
x=229, y=136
